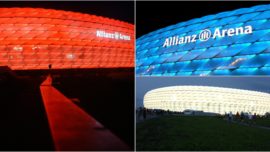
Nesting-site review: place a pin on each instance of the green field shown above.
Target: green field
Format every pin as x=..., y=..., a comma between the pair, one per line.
x=262, y=122
x=199, y=133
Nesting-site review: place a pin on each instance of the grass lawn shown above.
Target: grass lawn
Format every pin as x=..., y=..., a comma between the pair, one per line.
x=262, y=122
x=198, y=133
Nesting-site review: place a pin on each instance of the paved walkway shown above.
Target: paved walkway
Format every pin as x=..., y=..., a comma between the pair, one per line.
x=72, y=128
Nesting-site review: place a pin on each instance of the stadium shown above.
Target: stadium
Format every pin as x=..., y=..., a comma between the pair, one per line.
x=63, y=60
x=33, y=38
x=228, y=43
x=217, y=100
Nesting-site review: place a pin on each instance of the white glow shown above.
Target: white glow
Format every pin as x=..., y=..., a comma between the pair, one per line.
x=112, y=35
x=18, y=48
x=35, y=47
x=207, y=99
x=70, y=56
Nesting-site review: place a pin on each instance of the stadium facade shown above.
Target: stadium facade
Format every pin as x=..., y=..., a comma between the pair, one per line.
x=207, y=99
x=228, y=43
x=33, y=38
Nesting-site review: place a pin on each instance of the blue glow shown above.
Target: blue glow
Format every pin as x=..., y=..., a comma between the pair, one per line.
x=211, y=52
x=245, y=17
x=183, y=73
x=180, y=66
x=255, y=48
x=233, y=50
x=225, y=54
x=221, y=72
x=192, y=54
x=259, y=24
x=263, y=15
x=265, y=70
x=201, y=73
x=260, y=7
x=176, y=56
x=245, y=71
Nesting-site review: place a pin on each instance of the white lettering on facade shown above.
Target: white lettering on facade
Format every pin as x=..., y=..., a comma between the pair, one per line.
x=115, y=35
x=205, y=35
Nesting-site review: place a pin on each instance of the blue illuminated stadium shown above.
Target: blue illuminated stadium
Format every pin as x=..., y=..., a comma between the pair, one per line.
x=229, y=43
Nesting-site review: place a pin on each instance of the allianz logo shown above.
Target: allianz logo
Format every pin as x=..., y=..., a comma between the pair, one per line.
x=206, y=34
x=110, y=35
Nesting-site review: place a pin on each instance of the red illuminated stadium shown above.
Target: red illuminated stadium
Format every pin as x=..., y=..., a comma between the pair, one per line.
x=34, y=38
x=92, y=58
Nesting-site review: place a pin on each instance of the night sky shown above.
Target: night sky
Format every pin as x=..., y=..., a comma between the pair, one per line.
x=151, y=16
x=144, y=84
x=123, y=11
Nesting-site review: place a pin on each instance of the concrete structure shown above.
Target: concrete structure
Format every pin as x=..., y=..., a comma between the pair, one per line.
x=73, y=129
x=208, y=99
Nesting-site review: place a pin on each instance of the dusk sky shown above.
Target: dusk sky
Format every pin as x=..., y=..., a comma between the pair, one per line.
x=145, y=84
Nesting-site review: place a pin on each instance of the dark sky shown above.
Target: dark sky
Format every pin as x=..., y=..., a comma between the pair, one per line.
x=151, y=16
x=123, y=11
x=144, y=84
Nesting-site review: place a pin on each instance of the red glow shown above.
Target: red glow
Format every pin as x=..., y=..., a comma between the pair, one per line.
x=73, y=129
x=34, y=38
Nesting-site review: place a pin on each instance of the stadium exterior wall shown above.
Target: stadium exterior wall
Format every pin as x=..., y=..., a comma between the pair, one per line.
x=33, y=38
x=207, y=99
x=228, y=43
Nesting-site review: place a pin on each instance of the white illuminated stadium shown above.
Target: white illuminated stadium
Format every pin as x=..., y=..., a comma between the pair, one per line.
x=207, y=99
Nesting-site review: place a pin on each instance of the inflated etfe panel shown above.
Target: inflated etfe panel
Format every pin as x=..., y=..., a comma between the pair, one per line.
x=207, y=99
x=32, y=38
x=228, y=43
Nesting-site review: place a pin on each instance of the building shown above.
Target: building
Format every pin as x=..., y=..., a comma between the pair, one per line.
x=34, y=38
x=228, y=43
x=207, y=99
x=88, y=55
